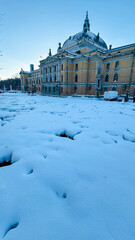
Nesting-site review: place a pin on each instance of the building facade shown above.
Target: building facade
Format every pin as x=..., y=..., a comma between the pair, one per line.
x=84, y=66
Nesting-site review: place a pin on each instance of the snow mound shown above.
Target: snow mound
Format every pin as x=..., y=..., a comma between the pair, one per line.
x=111, y=95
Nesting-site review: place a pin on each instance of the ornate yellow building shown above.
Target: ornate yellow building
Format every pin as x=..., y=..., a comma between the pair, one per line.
x=84, y=66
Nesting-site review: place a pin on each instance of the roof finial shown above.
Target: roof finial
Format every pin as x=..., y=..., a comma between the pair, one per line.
x=86, y=25
x=86, y=14
x=50, y=53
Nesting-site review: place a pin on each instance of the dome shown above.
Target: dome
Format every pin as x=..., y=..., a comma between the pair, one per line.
x=86, y=36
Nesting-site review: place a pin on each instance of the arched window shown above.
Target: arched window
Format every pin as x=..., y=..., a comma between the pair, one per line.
x=76, y=78
x=106, y=78
x=115, y=78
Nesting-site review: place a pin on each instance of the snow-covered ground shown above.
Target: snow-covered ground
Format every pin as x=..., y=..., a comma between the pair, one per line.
x=80, y=187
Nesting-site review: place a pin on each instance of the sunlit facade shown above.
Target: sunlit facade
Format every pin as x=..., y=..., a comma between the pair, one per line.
x=84, y=66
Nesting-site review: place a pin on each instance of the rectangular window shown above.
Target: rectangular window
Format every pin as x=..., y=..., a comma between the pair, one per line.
x=76, y=67
x=75, y=89
x=61, y=66
x=117, y=65
x=53, y=89
x=113, y=88
x=55, y=79
x=50, y=69
x=76, y=78
x=61, y=89
x=61, y=78
x=107, y=66
x=49, y=89
x=54, y=68
x=46, y=70
x=45, y=89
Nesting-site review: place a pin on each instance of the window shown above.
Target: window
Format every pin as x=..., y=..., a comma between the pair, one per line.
x=76, y=67
x=61, y=89
x=45, y=89
x=49, y=89
x=113, y=88
x=45, y=70
x=50, y=79
x=98, y=83
x=107, y=66
x=61, y=78
x=46, y=79
x=54, y=68
x=75, y=89
x=117, y=65
x=99, y=69
x=50, y=69
x=76, y=78
x=78, y=52
x=124, y=87
x=53, y=89
x=55, y=79
x=61, y=66
x=106, y=78
x=115, y=78
x=89, y=87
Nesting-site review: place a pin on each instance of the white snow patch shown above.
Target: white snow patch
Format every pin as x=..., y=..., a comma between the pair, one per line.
x=63, y=189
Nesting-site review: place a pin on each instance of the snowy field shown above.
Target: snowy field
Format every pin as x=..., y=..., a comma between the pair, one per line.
x=79, y=187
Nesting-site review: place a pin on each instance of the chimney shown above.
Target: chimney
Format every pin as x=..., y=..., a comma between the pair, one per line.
x=31, y=67
x=110, y=47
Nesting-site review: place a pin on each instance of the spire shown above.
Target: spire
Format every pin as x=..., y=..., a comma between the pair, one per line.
x=86, y=25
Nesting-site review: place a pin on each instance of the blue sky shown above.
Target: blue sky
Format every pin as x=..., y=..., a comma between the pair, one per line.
x=29, y=28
